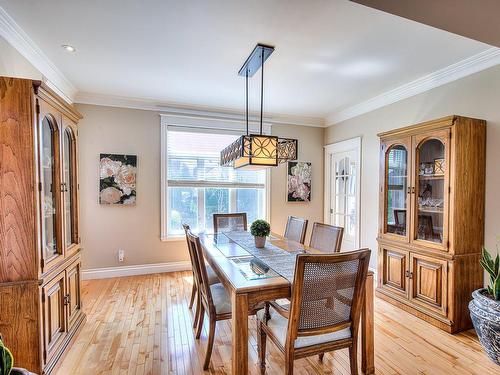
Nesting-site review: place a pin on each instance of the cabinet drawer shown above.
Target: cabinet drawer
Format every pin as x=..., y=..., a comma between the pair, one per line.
x=429, y=280
x=73, y=292
x=393, y=264
x=53, y=315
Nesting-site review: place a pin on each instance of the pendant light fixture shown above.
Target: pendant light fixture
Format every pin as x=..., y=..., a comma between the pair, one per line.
x=257, y=151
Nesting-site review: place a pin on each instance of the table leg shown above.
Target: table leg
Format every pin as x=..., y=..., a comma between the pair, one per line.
x=367, y=329
x=240, y=333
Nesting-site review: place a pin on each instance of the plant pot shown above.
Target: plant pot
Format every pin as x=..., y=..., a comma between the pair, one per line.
x=485, y=314
x=20, y=371
x=260, y=242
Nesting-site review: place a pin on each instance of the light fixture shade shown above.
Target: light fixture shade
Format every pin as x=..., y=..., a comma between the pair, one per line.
x=257, y=151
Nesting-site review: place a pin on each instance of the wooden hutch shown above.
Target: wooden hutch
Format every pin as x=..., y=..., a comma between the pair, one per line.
x=431, y=223
x=40, y=307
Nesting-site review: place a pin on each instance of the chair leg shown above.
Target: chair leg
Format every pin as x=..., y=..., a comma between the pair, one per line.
x=197, y=311
x=353, y=357
x=289, y=366
x=321, y=356
x=200, y=321
x=210, y=345
x=289, y=356
x=193, y=294
x=261, y=345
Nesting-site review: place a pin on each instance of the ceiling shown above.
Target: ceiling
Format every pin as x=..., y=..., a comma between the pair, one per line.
x=475, y=20
x=330, y=55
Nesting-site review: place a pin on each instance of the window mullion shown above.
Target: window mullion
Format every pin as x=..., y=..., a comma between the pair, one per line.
x=232, y=200
x=201, y=208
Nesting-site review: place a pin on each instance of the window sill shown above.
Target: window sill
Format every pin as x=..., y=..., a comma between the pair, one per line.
x=172, y=238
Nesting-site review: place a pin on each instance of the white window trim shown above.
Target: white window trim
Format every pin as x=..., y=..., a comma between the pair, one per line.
x=198, y=124
x=343, y=146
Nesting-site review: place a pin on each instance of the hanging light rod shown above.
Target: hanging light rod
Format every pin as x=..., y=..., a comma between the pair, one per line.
x=257, y=151
x=255, y=61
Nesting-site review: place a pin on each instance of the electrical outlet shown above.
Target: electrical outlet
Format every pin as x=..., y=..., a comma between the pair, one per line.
x=121, y=255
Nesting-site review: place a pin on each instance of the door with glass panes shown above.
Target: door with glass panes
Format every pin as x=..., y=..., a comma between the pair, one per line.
x=69, y=187
x=395, y=190
x=430, y=189
x=49, y=151
x=344, y=203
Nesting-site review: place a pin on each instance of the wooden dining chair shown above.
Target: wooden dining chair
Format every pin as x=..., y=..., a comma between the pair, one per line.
x=212, y=277
x=214, y=299
x=296, y=228
x=230, y=222
x=327, y=238
x=325, y=309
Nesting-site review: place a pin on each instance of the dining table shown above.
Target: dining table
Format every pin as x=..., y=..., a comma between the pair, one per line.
x=254, y=275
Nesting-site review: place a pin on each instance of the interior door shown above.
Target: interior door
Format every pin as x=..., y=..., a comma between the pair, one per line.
x=53, y=315
x=395, y=189
x=69, y=187
x=49, y=130
x=429, y=280
x=73, y=295
x=395, y=270
x=344, y=195
x=430, y=189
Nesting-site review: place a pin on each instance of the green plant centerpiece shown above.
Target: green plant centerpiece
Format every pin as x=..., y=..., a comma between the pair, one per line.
x=6, y=359
x=485, y=308
x=260, y=229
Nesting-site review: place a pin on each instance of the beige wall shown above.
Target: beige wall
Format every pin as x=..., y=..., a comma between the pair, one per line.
x=311, y=150
x=474, y=96
x=13, y=64
x=136, y=229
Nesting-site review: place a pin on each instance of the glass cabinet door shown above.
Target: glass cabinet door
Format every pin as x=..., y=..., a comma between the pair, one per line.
x=396, y=191
x=69, y=187
x=49, y=179
x=431, y=188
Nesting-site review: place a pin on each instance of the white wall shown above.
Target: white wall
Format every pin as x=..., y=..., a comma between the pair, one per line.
x=474, y=96
x=136, y=229
x=13, y=64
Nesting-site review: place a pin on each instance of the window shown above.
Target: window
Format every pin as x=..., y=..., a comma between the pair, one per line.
x=197, y=187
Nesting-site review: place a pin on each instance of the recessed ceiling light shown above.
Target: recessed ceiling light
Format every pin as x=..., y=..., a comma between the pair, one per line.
x=68, y=48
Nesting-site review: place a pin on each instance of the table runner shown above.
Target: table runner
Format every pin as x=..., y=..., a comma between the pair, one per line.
x=281, y=261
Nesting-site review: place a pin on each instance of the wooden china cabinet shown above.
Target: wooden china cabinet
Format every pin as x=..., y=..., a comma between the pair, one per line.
x=431, y=220
x=40, y=300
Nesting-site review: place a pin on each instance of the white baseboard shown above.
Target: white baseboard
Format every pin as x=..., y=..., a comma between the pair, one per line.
x=374, y=270
x=140, y=269
x=145, y=269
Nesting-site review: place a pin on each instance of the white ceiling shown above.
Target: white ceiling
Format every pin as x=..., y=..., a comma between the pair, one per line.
x=330, y=54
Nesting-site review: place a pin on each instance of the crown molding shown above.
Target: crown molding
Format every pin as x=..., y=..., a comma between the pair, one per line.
x=18, y=39
x=193, y=111
x=456, y=71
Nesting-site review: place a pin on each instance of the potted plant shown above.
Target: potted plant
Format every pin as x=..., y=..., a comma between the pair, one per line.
x=260, y=229
x=7, y=361
x=485, y=308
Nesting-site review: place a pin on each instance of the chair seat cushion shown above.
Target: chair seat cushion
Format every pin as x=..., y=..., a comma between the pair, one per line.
x=212, y=277
x=279, y=326
x=221, y=299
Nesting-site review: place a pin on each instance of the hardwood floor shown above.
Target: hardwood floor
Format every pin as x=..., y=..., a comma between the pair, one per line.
x=142, y=325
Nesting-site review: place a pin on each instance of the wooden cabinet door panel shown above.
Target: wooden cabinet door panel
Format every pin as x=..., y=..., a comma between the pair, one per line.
x=429, y=280
x=394, y=270
x=73, y=292
x=53, y=315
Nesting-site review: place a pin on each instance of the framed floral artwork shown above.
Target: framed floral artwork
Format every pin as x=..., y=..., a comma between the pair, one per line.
x=299, y=181
x=117, y=179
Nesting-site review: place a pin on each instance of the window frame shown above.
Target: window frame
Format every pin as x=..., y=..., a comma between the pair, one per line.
x=199, y=125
